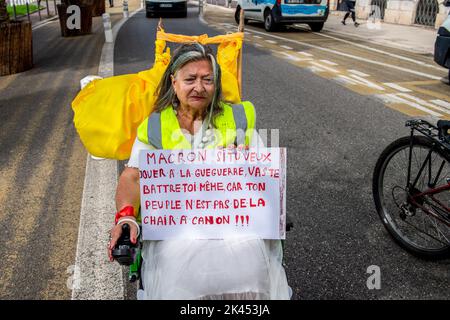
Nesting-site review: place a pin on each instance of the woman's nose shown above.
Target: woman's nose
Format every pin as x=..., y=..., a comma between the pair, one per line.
x=199, y=87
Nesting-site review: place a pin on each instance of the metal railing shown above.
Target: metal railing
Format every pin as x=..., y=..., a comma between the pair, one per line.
x=426, y=13
x=15, y=3
x=378, y=8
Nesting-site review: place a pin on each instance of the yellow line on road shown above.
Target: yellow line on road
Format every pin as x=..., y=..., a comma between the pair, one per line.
x=405, y=109
x=356, y=83
x=419, y=83
x=432, y=93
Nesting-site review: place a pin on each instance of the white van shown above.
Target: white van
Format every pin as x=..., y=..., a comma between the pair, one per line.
x=155, y=7
x=284, y=12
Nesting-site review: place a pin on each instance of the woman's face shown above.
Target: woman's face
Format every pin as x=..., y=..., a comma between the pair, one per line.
x=194, y=85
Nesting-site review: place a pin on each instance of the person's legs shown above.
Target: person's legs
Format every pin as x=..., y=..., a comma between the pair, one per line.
x=345, y=17
x=354, y=19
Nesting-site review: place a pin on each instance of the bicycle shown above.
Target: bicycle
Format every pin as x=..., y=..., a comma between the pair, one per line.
x=411, y=189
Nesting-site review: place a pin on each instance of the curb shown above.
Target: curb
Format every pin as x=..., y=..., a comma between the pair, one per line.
x=96, y=277
x=43, y=22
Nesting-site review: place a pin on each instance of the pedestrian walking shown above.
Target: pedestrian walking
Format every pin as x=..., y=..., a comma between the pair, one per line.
x=349, y=6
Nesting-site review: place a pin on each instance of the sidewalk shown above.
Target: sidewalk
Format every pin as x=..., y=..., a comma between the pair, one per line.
x=51, y=14
x=45, y=14
x=411, y=38
x=118, y=6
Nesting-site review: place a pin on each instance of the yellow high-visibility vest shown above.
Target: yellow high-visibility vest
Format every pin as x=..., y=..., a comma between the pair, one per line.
x=234, y=126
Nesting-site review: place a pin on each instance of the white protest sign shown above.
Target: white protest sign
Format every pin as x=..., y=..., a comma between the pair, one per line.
x=213, y=193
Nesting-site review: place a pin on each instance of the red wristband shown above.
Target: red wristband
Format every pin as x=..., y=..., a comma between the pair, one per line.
x=128, y=211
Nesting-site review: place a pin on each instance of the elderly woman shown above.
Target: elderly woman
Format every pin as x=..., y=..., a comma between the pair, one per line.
x=189, y=101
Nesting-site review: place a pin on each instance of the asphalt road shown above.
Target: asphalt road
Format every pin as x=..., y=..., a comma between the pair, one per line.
x=333, y=130
x=42, y=164
x=333, y=135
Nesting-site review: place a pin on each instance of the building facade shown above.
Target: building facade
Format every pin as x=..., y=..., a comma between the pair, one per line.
x=429, y=13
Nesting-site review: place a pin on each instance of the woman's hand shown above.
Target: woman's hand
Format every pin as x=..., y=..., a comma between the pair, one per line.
x=116, y=232
x=232, y=146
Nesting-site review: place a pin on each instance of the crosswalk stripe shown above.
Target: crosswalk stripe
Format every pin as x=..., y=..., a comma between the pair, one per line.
x=441, y=103
x=396, y=87
x=366, y=82
x=331, y=63
x=423, y=102
x=324, y=67
x=358, y=73
x=291, y=57
x=305, y=53
x=393, y=98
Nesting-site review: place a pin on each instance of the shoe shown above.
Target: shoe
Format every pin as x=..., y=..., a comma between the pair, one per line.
x=343, y=22
x=356, y=24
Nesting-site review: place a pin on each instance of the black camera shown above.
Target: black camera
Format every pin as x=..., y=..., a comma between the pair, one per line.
x=125, y=251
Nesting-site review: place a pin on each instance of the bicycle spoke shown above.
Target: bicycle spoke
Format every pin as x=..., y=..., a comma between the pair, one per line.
x=416, y=226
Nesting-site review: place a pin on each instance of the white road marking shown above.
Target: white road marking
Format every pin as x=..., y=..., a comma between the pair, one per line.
x=365, y=82
x=286, y=47
x=441, y=103
x=363, y=59
x=258, y=37
x=95, y=277
x=44, y=23
x=396, y=87
x=358, y=73
x=345, y=80
x=423, y=102
x=291, y=57
x=305, y=53
x=316, y=69
x=331, y=63
x=393, y=98
x=257, y=45
x=270, y=41
x=324, y=67
x=379, y=51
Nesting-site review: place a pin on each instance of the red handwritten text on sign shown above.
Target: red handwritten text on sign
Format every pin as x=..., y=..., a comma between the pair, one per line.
x=210, y=194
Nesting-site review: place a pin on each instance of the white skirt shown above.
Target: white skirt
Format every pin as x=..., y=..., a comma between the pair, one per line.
x=213, y=269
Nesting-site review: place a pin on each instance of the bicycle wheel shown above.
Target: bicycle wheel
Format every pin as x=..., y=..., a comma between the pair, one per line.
x=415, y=230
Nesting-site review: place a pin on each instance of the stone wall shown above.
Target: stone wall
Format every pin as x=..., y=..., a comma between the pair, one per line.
x=399, y=11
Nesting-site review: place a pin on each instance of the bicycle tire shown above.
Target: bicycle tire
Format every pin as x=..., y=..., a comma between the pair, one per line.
x=387, y=216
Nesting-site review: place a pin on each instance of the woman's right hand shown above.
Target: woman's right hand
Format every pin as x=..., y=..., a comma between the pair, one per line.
x=116, y=232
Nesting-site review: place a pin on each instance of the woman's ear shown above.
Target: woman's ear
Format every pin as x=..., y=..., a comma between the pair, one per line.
x=172, y=78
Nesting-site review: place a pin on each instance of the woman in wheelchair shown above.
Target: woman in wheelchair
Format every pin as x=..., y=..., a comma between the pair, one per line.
x=189, y=98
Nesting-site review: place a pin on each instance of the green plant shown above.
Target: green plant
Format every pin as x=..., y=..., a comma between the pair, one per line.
x=4, y=17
